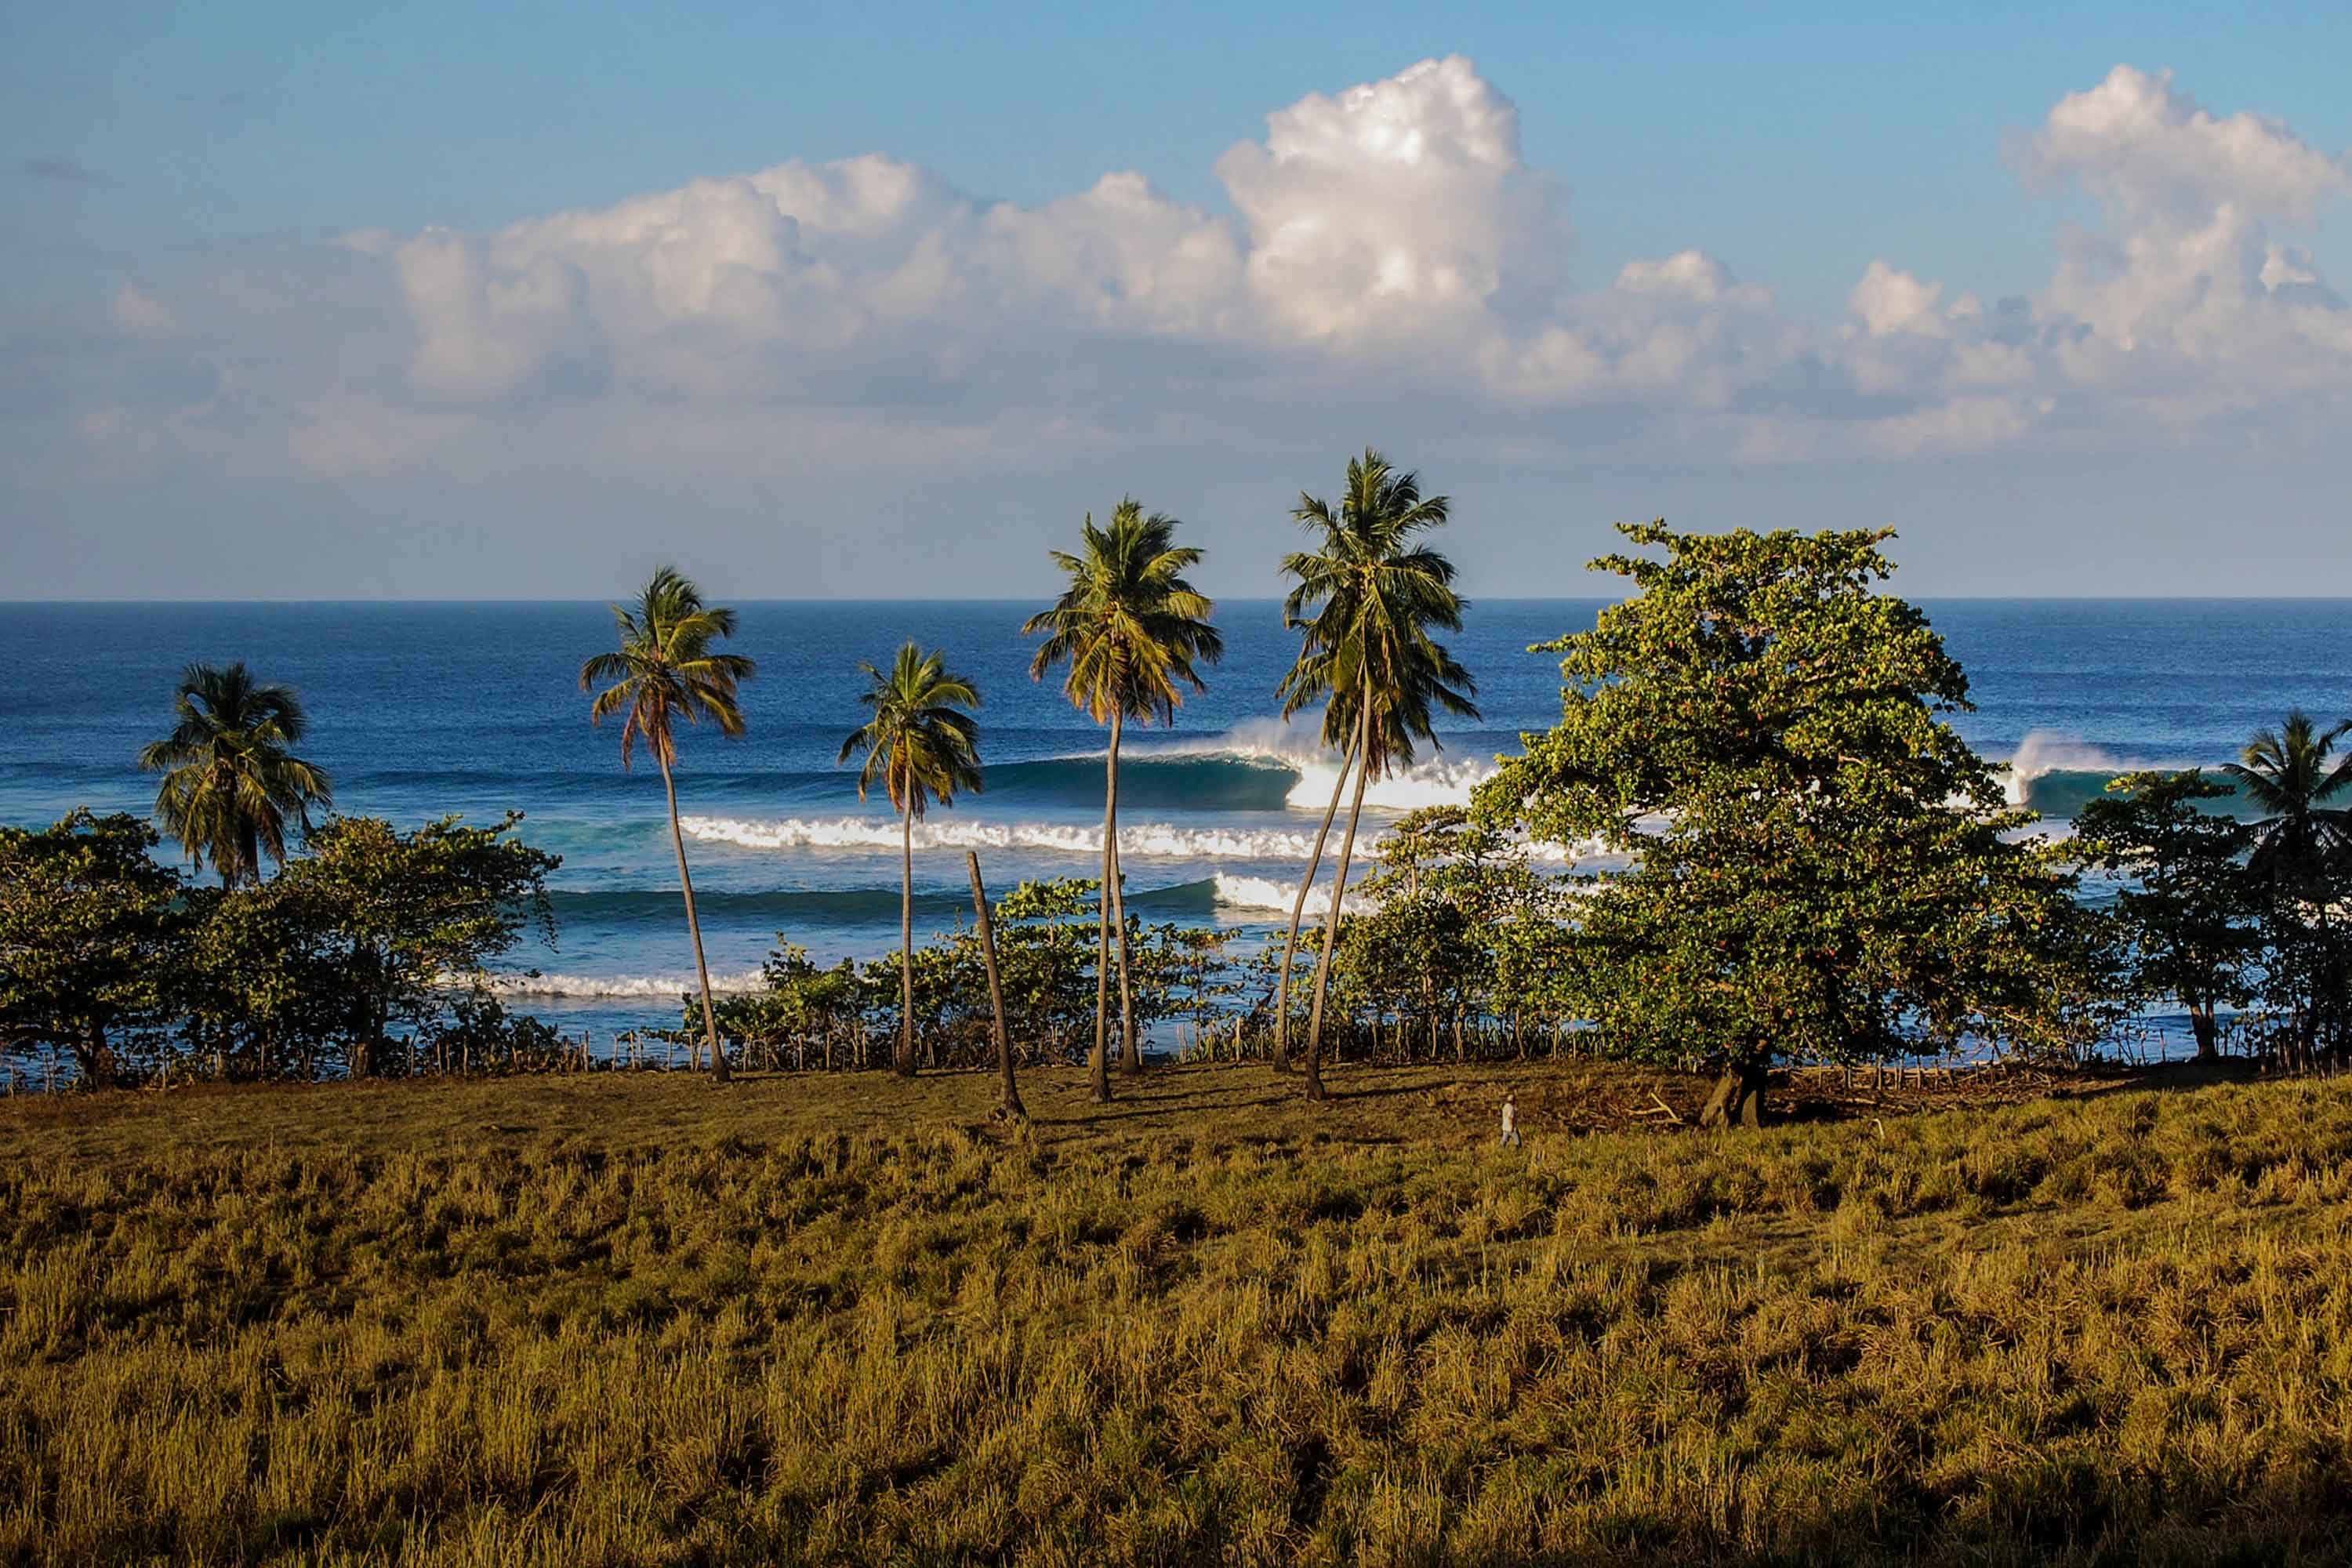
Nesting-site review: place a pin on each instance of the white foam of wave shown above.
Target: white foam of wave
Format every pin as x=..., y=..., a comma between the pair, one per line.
x=1436, y=782
x=1157, y=840
x=1264, y=893
x=668, y=987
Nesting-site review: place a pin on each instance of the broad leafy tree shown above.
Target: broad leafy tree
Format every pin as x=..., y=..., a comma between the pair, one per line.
x=1825, y=870
x=1367, y=597
x=232, y=785
x=666, y=672
x=91, y=939
x=2187, y=905
x=1133, y=633
x=399, y=917
x=920, y=744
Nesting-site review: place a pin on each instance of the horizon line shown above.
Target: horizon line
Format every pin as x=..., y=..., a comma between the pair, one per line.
x=1474, y=600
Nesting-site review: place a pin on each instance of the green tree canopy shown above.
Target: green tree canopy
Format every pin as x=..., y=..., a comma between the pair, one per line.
x=2187, y=908
x=90, y=937
x=1824, y=868
x=400, y=916
x=231, y=782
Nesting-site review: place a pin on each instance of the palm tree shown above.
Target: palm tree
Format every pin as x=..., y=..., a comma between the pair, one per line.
x=664, y=671
x=1366, y=598
x=922, y=746
x=231, y=782
x=2291, y=773
x=1132, y=631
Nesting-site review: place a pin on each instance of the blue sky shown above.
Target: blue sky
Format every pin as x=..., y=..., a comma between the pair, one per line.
x=182, y=305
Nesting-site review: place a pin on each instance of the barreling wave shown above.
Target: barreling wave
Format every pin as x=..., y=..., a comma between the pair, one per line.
x=1193, y=781
x=1262, y=765
x=2057, y=775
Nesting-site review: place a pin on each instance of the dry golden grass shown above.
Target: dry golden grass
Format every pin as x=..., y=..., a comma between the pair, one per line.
x=626, y=1319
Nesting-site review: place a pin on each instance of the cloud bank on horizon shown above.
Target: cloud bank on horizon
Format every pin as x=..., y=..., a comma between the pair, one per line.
x=1387, y=250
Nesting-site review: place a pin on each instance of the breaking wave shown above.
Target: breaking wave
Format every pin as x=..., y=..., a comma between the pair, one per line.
x=666, y=987
x=1159, y=840
x=2057, y=775
x=1264, y=895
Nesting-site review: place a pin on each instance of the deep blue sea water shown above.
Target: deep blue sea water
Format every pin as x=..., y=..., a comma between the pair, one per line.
x=424, y=709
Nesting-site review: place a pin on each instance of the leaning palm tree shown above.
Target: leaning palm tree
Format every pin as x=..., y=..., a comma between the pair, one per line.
x=1366, y=598
x=231, y=783
x=664, y=671
x=922, y=745
x=2290, y=774
x=1133, y=632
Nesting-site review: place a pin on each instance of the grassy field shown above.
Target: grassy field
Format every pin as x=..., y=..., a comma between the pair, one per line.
x=637, y=1320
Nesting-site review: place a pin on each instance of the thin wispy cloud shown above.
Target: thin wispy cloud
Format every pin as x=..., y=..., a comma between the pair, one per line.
x=62, y=171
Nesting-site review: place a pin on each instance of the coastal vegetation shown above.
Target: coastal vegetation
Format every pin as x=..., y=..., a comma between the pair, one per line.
x=1810, y=866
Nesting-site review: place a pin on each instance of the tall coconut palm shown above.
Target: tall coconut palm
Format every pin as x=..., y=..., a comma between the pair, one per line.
x=231, y=783
x=2302, y=842
x=1367, y=597
x=664, y=671
x=923, y=746
x=1133, y=632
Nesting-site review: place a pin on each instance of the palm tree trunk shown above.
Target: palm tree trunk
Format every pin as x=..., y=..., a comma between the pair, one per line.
x=1099, y=1064
x=719, y=1073
x=1131, y=1055
x=906, y=1063
x=1298, y=912
x=1338, y=893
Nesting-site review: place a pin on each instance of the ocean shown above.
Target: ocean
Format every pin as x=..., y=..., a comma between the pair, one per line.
x=423, y=710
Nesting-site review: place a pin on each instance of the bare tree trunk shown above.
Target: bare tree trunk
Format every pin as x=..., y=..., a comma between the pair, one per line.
x=719, y=1073
x=906, y=1062
x=1297, y=912
x=1130, y=1054
x=2201, y=1025
x=1008, y=1102
x=1338, y=893
x=1099, y=1064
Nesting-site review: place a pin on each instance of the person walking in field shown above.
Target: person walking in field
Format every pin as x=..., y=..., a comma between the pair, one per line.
x=1510, y=1123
